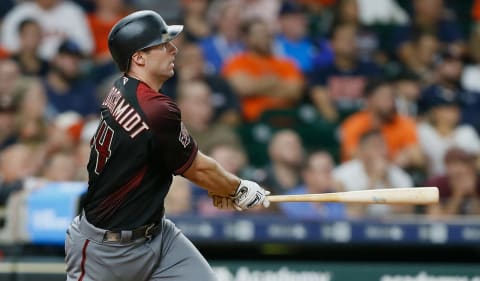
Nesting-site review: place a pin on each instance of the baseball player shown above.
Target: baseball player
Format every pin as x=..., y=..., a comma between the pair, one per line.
x=140, y=143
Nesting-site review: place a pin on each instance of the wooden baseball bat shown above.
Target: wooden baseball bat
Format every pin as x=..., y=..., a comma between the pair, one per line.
x=408, y=195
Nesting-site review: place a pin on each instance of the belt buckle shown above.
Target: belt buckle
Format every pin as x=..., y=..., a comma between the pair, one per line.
x=148, y=233
x=110, y=236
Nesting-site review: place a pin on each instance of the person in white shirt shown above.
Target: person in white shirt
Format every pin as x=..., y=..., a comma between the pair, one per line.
x=371, y=169
x=471, y=71
x=59, y=19
x=441, y=130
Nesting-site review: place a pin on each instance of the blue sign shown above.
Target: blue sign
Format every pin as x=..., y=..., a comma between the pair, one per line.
x=51, y=209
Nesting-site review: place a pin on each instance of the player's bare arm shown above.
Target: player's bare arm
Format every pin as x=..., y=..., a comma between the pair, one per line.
x=226, y=188
x=207, y=173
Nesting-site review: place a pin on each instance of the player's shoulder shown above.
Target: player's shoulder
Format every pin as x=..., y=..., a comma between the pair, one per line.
x=155, y=105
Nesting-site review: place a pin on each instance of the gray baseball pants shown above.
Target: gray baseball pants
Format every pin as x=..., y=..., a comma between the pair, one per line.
x=169, y=256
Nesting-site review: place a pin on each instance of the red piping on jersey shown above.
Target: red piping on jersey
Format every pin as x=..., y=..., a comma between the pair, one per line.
x=84, y=259
x=110, y=204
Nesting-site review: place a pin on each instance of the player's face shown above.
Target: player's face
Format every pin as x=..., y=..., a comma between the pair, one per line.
x=160, y=60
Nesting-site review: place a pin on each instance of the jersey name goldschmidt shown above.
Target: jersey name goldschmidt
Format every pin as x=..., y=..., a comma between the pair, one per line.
x=139, y=145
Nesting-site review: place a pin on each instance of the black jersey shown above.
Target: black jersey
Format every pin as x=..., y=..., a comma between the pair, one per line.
x=139, y=145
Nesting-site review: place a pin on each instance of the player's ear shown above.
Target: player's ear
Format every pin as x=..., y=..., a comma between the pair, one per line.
x=138, y=58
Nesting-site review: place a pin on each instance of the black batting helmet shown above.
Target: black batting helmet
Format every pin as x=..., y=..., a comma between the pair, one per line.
x=138, y=31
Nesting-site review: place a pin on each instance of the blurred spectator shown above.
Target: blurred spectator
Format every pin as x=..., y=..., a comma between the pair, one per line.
x=262, y=80
x=66, y=88
x=459, y=187
x=64, y=133
x=425, y=50
x=194, y=14
x=471, y=72
x=441, y=131
x=17, y=162
x=371, y=169
x=265, y=10
x=60, y=167
x=190, y=65
x=9, y=78
x=31, y=116
x=292, y=40
x=367, y=41
x=194, y=100
x=320, y=16
x=82, y=150
x=179, y=200
x=448, y=71
x=318, y=178
x=8, y=134
x=476, y=10
x=233, y=160
x=101, y=21
x=226, y=41
x=339, y=85
x=286, y=154
x=399, y=131
x=4, y=53
x=30, y=36
x=429, y=16
x=170, y=10
x=59, y=19
x=407, y=93
x=381, y=12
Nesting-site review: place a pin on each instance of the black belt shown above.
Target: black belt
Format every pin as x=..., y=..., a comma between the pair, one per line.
x=125, y=236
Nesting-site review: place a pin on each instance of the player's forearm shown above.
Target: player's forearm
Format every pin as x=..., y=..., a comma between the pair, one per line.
x=207, y=173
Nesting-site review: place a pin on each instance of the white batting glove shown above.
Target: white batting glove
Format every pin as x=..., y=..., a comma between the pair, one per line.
x=248, y=195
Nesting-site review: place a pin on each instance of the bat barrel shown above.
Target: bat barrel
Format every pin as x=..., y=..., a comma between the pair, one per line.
x=409, y=195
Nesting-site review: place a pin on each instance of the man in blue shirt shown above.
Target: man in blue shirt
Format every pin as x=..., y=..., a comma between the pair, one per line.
x=226, y=41
x=318, y=178
x=339, y=86
x=428, y=17
x=293, y=42
x=65, y=88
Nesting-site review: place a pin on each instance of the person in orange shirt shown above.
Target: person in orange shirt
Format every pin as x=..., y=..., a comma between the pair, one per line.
x=399, y=131
x=262, y=80
x=3, y=53
x=101, y=21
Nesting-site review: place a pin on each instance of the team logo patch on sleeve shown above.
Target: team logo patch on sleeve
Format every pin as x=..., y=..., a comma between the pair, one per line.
x=184, y=136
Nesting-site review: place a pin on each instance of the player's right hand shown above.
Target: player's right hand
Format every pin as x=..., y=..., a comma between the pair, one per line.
x=248, y=195
x=222, y=202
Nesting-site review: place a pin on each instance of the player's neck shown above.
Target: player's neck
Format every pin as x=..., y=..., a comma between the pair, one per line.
x=155, y=84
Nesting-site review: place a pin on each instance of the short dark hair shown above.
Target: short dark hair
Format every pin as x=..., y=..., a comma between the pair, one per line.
x=307, y=160
x=246, y=26
x=25, y=22
x=373, y=84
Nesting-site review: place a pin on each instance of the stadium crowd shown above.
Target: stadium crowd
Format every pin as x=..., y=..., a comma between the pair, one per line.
x=304, y=96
